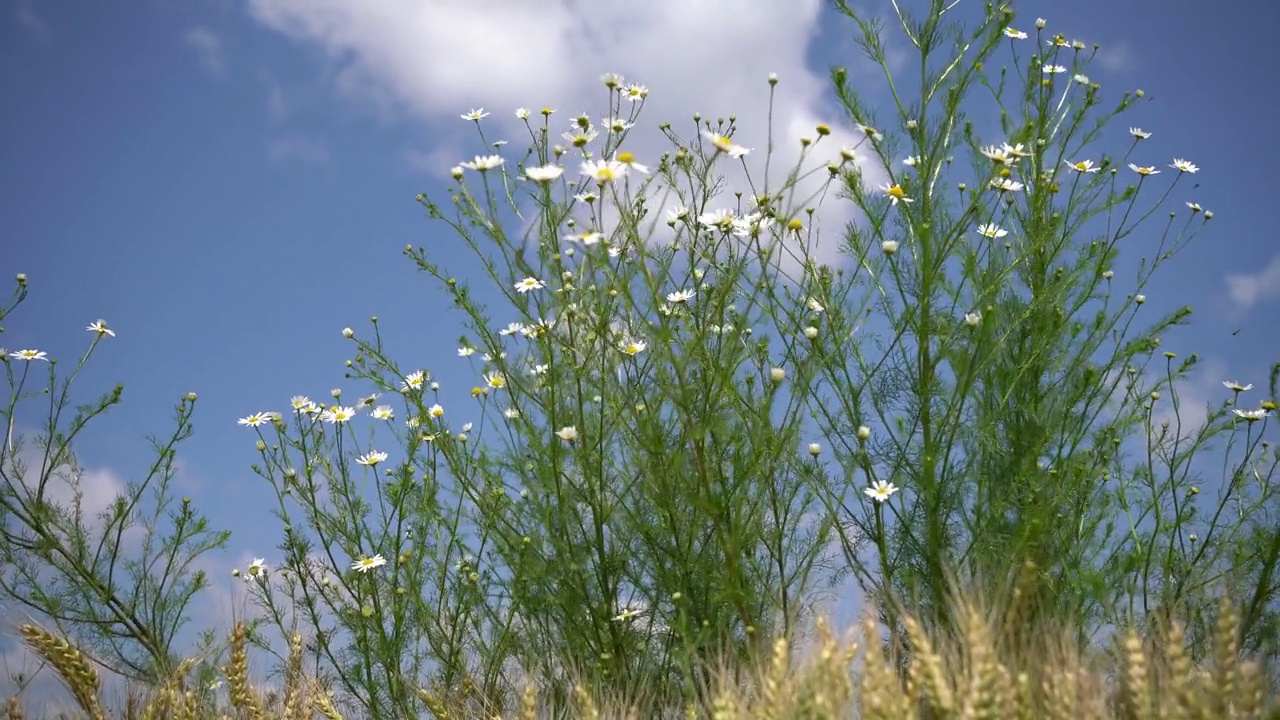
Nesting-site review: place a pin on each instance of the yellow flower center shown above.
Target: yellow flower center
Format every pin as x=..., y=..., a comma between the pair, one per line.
x=1082, y=166
x=897, y=192
x=626, y=157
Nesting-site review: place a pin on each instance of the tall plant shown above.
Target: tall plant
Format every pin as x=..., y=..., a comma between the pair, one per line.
x=1017, y=382
x=118, y=580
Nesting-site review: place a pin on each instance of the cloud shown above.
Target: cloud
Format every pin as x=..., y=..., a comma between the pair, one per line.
x=27, y=18
x=433, y=61
x=1248, y=290
x=208, y=48
x=1118, y=57
x=66, y=485
x=278, y=109
x=298, y=148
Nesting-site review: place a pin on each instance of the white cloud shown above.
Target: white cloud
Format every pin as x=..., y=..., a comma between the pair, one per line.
x=1196, y=393
x=277, y=107
x=208, y=48
x=1248, y=290
x=1118, y=57
x=27, y=18
x=298, y=148
x=434, y=61
x=94, y=488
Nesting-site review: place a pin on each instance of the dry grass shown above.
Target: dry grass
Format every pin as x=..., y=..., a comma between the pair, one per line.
x=977, y=672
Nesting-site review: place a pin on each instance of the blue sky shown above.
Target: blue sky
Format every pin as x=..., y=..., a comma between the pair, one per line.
x=229, y=184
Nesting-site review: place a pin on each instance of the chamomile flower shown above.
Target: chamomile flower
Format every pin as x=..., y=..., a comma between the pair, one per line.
x=373, y=457
x=1082, y=166
x=751, y=225
x=992, y=231
x=495, y=380
x=629, y=613
x=881, y=491
x=568, y=433
x=604, y=171
x=1006, y=185
x=522, y=113
x=1183, y=166
x=413, y=381
x=383, y=412
x=365, y=564
x=29, y=355
x=100, y=326
x=1014, y=34
x=1252, y=415
x=476, y=114
x=1144, y=170
x=587, y=238
x=544, y=174
x=300, y=403
x=627, y=159
x=680, y=296
x=483, y=163
x=631, y=346
x=725, y=145
x=529, y=283
x=889, y=247
x=511, y=414
x=337, y=415
x=255, y=420
x=973, y=319
x=580, y=136
x=1138, y=133
x=1053, y=69
x=1236, y=387
x=617, y=124
x=1017, y=151
x=634, y=92
x=896, y=194
x=466, y=351
x=870, y=132
x=721, y=219
x=257, y=569
x=995, y=154
x=436, y=411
